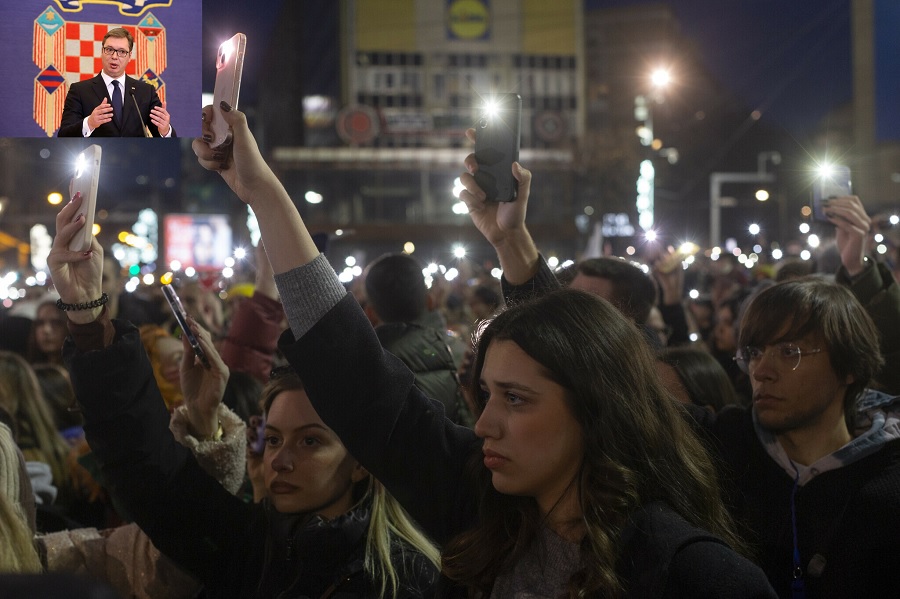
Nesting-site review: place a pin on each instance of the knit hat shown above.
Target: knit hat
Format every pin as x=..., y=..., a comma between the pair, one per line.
x=14, y=482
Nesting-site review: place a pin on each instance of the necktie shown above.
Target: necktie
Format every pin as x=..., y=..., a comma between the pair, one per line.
x=117, y=103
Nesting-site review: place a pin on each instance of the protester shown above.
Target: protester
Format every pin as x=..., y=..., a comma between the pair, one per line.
x=235, y=549
x=692, y=375
x=408, y=327
x=811, y=470
x=524, y=501
x=47, y=334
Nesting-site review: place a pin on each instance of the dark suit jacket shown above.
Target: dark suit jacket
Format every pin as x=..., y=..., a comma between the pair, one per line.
x=86, y=95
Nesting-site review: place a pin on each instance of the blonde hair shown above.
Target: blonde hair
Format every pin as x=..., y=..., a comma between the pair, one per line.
x=21, y=396
x=17, y=551
x=390, y=521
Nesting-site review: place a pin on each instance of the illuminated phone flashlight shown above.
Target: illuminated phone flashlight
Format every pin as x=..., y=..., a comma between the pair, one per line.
x=491, y=108
x=80, y=163
x=225, y=50
x=826, y=170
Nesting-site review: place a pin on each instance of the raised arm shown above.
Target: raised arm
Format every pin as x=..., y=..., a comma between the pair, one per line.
x=525, y=273
x=366, y=395
x=164, y=489
x=871, y=282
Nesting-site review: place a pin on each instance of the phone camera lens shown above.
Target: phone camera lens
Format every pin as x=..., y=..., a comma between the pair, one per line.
x=482, y=122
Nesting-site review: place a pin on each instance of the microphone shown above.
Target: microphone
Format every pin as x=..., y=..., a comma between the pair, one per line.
x=146, y=129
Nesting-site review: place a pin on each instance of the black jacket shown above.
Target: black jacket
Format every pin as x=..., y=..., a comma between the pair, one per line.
x=402, y=437
x=424, y=350
x=83, y=97
x=235, y=549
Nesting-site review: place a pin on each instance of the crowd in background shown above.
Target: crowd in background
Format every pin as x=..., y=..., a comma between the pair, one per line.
x=76, y=504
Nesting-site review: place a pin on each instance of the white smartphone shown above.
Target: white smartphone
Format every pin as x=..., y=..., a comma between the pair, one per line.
x=229, y=66
x=87, y=175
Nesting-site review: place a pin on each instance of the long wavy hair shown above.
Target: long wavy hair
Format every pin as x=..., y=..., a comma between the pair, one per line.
x=21, y=396
x=638, y=446
x=390, y=527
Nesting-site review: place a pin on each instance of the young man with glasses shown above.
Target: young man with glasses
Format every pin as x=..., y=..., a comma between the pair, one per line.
x=112, y=104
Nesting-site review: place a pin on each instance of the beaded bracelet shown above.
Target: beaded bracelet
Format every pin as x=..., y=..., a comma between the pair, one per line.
x=82, y=306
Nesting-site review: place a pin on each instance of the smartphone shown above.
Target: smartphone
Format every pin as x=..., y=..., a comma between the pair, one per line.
x=833, y=184
x=497, y=139
x=181, y=317
x=229, y=66
x=87, y=175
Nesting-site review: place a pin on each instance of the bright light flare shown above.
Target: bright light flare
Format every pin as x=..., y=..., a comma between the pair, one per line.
x=753, y=229
x=491, y=108
x=650, y=235
x=55, y=198
x=660, y=77
x=459, y=251
x=80, y=163
x=240, y=253
x=762, y=195
x=313, y=198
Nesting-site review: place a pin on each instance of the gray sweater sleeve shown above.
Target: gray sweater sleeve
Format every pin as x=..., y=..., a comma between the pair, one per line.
x=308, y=292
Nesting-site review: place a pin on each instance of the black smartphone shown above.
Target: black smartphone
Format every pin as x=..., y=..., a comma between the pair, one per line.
x=181, y=317
x=831, y=184
x=497, y=139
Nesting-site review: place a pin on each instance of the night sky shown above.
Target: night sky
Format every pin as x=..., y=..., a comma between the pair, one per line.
x=789, y=59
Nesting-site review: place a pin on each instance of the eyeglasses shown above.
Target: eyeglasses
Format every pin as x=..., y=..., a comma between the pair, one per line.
x=109, y=51
x=787, y=355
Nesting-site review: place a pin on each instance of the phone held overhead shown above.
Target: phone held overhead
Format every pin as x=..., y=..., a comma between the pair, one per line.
x=497, y=140
x=85, y=181
x=229, y=66
x=181, y=317
x=832, y=181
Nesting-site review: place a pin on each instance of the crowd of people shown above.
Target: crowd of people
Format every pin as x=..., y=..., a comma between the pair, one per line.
x=586, y=432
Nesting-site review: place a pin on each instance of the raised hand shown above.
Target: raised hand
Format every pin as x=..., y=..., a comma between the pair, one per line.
x=77, y=276
x=852, y=225
x=238, y=161
x=495, y=220
x=159, y=116
x=102, y=114
x=202, y=387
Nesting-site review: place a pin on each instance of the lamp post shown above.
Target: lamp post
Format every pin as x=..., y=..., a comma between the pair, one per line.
x=715, y=190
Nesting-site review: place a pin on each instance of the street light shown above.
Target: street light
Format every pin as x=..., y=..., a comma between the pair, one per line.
x=715, y=190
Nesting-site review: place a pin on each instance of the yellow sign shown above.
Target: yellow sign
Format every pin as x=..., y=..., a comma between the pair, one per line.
x=468, y=19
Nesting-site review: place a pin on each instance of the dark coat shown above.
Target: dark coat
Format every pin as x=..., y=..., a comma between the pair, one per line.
x=83, y=97
x=403, y=438
x=235, y=549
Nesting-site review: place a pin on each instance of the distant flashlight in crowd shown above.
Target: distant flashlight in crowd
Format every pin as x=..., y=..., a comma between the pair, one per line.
x=459, y=251
x=753, y=229
x=650, y=235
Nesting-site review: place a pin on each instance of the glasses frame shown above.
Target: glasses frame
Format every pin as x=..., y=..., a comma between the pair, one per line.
x=121, y=53
x=783, y=353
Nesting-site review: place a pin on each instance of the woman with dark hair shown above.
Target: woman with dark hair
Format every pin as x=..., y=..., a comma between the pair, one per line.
x=48, y=331
x=692, y=375
x=580, y=477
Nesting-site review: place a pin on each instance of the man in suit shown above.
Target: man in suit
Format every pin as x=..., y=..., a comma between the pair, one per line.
x=113, y=104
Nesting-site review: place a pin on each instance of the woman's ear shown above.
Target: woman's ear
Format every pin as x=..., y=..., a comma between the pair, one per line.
x=359, y=473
